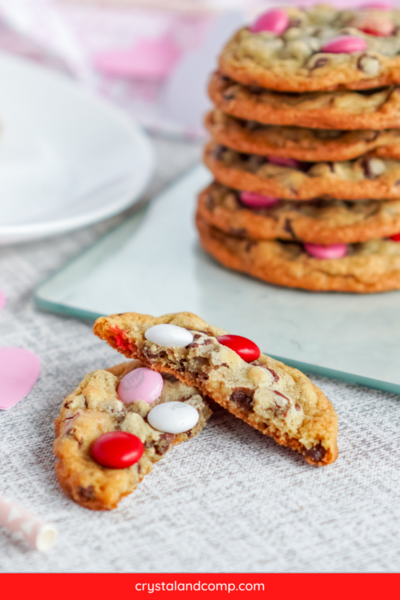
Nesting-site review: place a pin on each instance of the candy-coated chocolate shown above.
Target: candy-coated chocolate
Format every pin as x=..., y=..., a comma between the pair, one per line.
x=395, y=237
x=345, y=44
x=284, y=162
x=326, y=252
x=140, y=384
x=117, y=450
x=257, y=200
x=170, y=336
x=274, y=20
x=173, y=417
x=382, y=27
x=246, y=349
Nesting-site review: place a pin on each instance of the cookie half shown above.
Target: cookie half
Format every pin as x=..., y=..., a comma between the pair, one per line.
x=319, y=221
x=371, y=109
x=362, y=179
x=276, y=399
x=251, y=137
x=93, y=409
x=298, y=59
x=372, y=266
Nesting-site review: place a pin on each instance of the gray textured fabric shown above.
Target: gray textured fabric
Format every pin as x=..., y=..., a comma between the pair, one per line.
x=230, y=500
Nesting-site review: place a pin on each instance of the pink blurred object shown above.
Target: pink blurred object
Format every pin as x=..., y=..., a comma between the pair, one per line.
x=24, y=525
x=377, y=6
x=2, y=300
x=19, y=370
x=147, y=59
x=274, y=20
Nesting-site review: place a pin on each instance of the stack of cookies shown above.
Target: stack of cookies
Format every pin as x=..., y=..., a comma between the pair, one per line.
x=305, y=150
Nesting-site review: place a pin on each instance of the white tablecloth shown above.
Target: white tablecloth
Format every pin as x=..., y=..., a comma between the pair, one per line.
x=230, y=500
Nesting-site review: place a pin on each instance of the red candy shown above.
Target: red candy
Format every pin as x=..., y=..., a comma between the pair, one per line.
x=246, y=349
x=395, y=238
x=117, y=450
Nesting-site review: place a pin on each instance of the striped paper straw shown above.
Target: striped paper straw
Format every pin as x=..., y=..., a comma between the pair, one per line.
x=25, y=526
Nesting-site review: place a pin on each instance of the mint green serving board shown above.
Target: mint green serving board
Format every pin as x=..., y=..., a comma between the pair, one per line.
x=153, y=263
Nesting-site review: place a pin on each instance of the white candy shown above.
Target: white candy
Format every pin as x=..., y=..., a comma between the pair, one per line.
x=173, y=417
x=169, y=335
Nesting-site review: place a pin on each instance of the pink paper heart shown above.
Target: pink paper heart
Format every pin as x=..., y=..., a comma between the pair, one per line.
x=2, y=300
x=19, y=370
x=147, y=59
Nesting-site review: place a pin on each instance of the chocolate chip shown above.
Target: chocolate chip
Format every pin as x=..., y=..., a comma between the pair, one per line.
x=219, y=152
x=210, y=203
x=249, y=245
x=239, y=232
x=86, y=403
x=164, y=442
x=281, y=395
x=253, y=125
x=228, y=95
x=297, y=406
x=207, y=342
x=196, y=337
x=288, y=228
x=243, y=397
x=223, y=77
x=155, y=355
x=320, y=62
x=369, y=64
x=316, y=453
x=87, y=493
x=255, y=89
x=274, y=375
x=192, y=345
x=169, y=377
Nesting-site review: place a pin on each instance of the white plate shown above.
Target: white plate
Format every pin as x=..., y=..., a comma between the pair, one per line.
x=67, y=158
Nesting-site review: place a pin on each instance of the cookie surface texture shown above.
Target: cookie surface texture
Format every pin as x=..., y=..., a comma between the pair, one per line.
x=372, y=266
x=276, y=399
x=321, y=221
x=362, y=179
x=300, y=143
x=372, y=109
x=93, y=409
x=306, y=55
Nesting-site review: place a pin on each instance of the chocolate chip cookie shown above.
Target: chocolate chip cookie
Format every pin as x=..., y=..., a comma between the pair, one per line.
x=317, y=48
x=95, y=408
x=251, y=137
x=320, y=221
x=362, y=179
x=345, y=110
x=276, y=399
x=372, y=266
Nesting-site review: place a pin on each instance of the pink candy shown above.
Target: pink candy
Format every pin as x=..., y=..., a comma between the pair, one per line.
x=345, y=44
x=140, y=384
x=284, y=162
x=326, y=252
x=257, y=200
x=274, y=20
x=19, y=370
